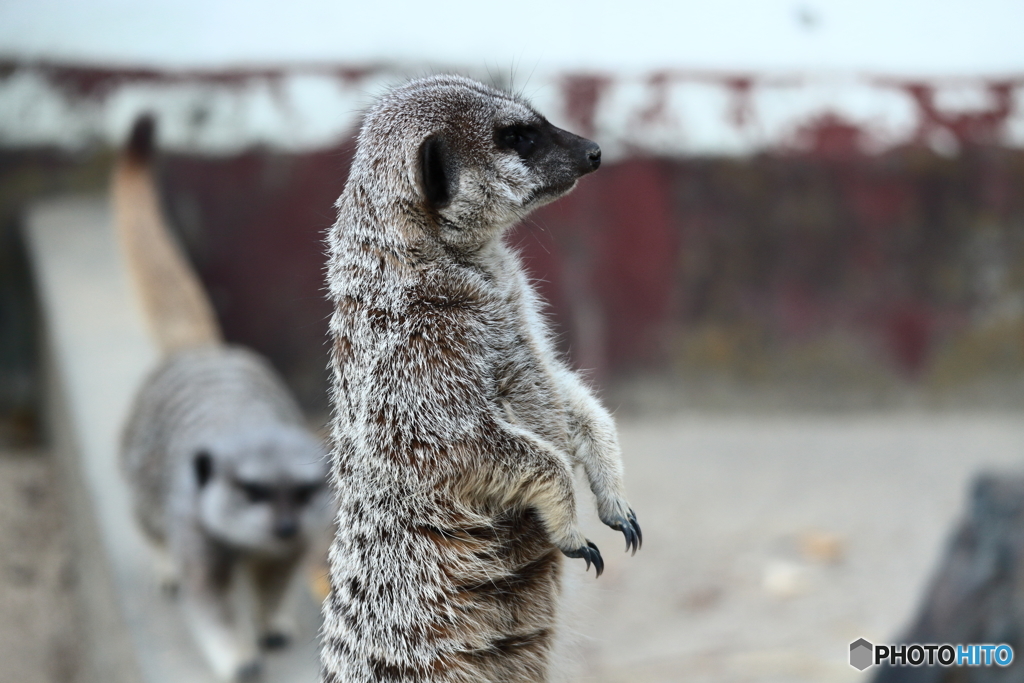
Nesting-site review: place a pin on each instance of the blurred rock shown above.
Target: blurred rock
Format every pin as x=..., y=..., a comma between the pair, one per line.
x=975, y=596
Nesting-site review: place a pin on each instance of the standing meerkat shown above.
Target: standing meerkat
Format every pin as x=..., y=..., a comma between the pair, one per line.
x=456, y=426
x=226, y=480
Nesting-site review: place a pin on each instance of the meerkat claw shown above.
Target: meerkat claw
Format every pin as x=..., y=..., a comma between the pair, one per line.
x=638, y=535
x=631, y=539
x=630, y=529
x=595, y=555
x=589, y=553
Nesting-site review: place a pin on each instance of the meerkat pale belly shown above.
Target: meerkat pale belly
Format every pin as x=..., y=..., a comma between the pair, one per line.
x=457, y=426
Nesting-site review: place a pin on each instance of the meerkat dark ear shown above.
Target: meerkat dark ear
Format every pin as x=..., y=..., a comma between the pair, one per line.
x=438, y=173
x=203, y=466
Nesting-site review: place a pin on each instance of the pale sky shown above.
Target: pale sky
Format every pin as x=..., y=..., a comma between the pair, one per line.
x=926, y=37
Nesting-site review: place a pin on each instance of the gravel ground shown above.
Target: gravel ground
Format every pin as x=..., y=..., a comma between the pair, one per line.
x=37, y=578
x=770, y=544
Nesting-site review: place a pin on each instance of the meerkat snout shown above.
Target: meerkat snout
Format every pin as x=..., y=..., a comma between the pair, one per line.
x=286, y=527
x=585, y=153
x=547, y=149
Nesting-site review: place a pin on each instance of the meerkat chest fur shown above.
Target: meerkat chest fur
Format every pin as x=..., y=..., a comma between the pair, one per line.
x=456, y=426
x=402, y=324
x=525, y=385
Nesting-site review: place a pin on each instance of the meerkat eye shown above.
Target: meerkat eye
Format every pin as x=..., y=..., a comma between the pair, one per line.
x=256, y=493
x=521, y=139
x=303, y=494
x=202, y=465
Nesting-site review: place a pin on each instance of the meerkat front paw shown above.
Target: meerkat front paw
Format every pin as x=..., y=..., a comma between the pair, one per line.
x=588, y=552
x=168, y=576
x=615, y=512
x=630, y=528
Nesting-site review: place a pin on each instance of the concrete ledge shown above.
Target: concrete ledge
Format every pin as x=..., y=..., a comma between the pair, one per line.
x=97, y=351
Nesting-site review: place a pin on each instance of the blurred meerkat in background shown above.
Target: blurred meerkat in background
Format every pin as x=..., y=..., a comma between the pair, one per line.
x=226, y=480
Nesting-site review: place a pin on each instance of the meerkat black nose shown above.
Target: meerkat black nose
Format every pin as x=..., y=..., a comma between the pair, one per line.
x=286, y=528
x=588, y=156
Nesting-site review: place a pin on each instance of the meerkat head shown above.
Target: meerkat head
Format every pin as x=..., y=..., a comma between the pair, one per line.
x=264, y=491
x=472, y=160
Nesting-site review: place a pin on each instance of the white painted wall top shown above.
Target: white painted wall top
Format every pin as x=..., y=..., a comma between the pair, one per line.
x=907, y=37
x=804, y=60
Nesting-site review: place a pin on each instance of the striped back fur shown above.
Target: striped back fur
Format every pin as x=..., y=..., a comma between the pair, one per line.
x=204, y=398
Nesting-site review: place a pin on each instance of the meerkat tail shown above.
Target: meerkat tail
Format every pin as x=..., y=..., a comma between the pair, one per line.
x=176, y=309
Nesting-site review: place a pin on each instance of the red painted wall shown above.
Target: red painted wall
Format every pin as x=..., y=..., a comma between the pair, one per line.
x=894, y=250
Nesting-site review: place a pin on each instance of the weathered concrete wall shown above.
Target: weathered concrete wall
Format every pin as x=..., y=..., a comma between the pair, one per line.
x=835, y=267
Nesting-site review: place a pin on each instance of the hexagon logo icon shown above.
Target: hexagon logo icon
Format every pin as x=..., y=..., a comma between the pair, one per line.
x=861, y=652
